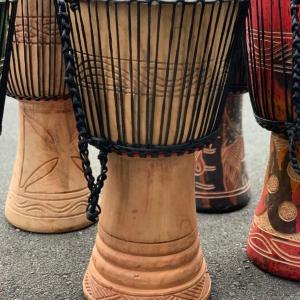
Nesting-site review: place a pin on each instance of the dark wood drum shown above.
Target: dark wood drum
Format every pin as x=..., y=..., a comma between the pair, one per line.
x=221, y=179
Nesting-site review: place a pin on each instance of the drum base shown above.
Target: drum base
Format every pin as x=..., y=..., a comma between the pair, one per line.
x=224, y=205
x=48, y=192
x=222, y=183
x=198, y=290
x=273, y=253
x=147, y=246
x=274, y=238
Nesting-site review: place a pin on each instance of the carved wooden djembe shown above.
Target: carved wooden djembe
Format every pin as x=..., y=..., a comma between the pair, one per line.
x=7, y=21
x=274, y=239
x=150, y=81
x=221, y=179
x=48, y=191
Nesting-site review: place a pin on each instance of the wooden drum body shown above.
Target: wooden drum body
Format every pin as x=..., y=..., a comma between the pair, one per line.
x=150, y=78
x=48, y=191
x=147, y=245
x=274, y=238
x=222, y=183
x=144, y=77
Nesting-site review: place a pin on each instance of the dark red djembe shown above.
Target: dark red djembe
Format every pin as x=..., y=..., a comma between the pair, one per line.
x=273, y=52
x=221, y=180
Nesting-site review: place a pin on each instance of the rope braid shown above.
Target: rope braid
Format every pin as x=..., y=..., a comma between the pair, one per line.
x=95, y=186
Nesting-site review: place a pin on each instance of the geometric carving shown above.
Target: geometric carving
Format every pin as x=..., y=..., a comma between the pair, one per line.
x=48, y=192
x=274, y=254
x=96, y=291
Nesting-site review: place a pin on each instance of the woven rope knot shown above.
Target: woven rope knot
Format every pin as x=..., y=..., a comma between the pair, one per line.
x=93, y=212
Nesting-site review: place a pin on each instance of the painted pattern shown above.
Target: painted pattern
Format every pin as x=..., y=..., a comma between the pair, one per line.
x=274, y=239
x=221, y=178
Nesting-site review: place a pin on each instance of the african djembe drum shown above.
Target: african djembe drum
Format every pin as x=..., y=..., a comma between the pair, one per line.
x=7, y=21
x=147, y=80
x=274, y=239
x=221, y=179
x=48, y=191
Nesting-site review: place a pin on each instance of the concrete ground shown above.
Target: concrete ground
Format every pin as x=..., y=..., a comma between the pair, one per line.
x=50, y=267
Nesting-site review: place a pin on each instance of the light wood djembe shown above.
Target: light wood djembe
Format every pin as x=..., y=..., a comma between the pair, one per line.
x=150, y=80
x=274, y=238
x=48, y=192
x=7, y=20
x=221, y=179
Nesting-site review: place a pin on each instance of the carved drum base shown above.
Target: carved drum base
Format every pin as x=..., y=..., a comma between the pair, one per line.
x=147, y=246
x=274, y=238
x=222, y=183
x=48, y=192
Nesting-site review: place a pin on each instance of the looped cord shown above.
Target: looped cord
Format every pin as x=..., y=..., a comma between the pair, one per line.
x=74, y=4
x=294, y=131
x=95, y=186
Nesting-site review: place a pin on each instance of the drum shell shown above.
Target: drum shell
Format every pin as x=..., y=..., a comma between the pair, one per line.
x=133, y=95
x=37, y=66
x=269, y=43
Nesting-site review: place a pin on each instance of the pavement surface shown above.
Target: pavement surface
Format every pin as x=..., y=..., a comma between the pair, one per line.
x=50, y=267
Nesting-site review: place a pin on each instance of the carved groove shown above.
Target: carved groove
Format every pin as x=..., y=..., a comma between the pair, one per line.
x=97, y=291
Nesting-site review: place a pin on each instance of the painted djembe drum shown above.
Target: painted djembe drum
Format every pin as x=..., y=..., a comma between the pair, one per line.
x=274, y=239
x=48, y=192
x=7, y=20
x=147, y=80
x=221, y=179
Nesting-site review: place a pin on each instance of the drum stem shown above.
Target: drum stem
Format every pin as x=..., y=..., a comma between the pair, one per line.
x=48, y=191
x=147, y=245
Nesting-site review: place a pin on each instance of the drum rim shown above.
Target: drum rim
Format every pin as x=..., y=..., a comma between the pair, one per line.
x=155, y=150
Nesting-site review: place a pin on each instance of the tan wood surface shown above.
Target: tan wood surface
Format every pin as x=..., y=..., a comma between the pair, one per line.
x=48, y=192
x=102, y=35
x=37, y=66
x=147, y=245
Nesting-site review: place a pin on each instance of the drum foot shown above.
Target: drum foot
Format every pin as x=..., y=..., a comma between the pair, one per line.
x=147, y=246
x=274, y=238
x=274, y=253
x=48, y=191
x=114, y=274
x=94, y=291
x=222, y=183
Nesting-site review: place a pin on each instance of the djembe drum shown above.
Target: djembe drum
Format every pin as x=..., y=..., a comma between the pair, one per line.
x=274, y=239
x=48, y=191
x=221, y=180
x=146, y=80
x=7, y=21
